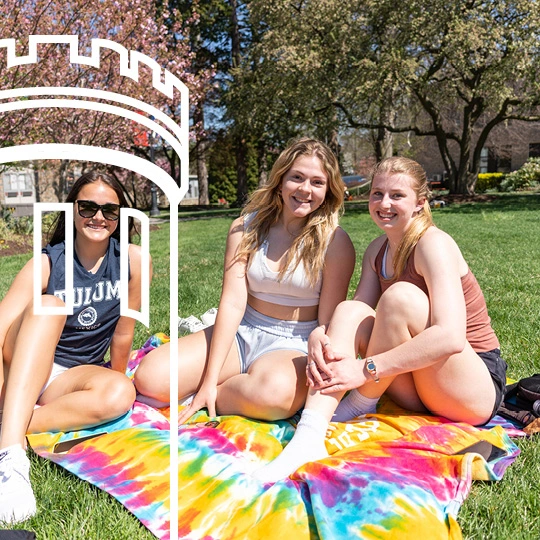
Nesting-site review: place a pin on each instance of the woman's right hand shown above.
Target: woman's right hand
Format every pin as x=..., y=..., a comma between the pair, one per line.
x=205, y=397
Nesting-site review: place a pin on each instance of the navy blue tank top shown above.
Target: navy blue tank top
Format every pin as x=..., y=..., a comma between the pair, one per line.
x=88, y=332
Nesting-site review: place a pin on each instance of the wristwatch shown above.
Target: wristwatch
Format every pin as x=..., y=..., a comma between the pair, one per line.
x=372, y=369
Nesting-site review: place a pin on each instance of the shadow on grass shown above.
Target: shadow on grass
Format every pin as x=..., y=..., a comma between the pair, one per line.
x=497, y=202
x=503, y=202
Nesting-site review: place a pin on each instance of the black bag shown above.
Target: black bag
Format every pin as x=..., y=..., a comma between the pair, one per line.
x=521, y=403
x=17, y=534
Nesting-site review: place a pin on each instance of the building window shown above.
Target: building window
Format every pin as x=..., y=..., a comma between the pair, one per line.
x=484, y=157
x=18, y=187
x=496, y=159
x=534, y=149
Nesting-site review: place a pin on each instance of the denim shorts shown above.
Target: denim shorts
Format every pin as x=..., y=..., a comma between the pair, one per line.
x=259, y=334
x=497, y=369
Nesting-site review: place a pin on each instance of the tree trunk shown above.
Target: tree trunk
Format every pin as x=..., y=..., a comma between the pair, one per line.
x=202, y=172
x=262, y=164
x=59, y=185
x=240, y=149
x=333, y=141
x=384, y=144
x=36, y=185
x=458, y=183
x=201, y=154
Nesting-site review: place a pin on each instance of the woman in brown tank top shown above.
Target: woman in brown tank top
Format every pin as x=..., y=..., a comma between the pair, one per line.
x=418, y=322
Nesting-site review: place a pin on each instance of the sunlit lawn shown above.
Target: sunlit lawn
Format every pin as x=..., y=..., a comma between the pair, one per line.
x=500, y=241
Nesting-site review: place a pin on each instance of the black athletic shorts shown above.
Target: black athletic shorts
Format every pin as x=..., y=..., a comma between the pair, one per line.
x=497, y=369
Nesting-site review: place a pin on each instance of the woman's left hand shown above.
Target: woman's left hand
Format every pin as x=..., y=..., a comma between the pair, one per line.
x=317, y=369
x=347, y=373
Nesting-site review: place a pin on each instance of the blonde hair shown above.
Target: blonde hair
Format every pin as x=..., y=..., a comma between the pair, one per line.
x=423, y=219
x=266, y=207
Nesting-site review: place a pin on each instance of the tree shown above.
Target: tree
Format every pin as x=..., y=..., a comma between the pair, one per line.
x=134, y=24
x=278, y=93
x=447, y=69
x=223, y=177
x=207, y=27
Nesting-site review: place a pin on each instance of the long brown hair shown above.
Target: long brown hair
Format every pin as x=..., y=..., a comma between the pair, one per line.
x=423, y=220
x=265, y=205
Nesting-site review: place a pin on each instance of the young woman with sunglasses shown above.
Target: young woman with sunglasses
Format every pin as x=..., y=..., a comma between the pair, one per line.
x=55, y=361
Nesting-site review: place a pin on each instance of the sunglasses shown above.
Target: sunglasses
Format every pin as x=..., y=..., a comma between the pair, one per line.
x=88, y=209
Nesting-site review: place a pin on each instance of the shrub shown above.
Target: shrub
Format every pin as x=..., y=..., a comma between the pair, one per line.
x=6, y=222
x=487, y=181
x=11, y=225
x=524, y=178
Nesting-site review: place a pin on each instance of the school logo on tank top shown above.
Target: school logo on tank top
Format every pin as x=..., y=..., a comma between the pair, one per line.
x=87, y=316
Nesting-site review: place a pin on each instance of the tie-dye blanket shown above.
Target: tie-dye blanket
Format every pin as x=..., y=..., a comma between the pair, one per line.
x=390, y=475
x=128, y=458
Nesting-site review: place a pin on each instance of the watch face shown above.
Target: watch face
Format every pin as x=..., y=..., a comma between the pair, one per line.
x=371, y=365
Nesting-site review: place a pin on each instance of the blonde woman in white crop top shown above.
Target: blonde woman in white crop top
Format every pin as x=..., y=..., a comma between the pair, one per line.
x=287, y=267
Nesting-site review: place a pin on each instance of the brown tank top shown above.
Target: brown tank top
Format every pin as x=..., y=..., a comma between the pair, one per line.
x=479, y=332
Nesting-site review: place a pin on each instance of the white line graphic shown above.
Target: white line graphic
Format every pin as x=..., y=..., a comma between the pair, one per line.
x=175, y=135
x=144, y=315
x=39, y=208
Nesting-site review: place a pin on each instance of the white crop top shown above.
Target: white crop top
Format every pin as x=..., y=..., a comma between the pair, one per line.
x=293, y=290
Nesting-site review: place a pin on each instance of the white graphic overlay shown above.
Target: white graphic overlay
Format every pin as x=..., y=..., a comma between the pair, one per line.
x=144, y=315
x=39, y=208
x=173, y=134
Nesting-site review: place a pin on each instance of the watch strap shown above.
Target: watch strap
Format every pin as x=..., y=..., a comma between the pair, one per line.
x=372, y=369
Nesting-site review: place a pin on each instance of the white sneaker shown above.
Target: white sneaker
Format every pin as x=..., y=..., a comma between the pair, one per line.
x=209, y=318
x=191, y=324
x=17, y=501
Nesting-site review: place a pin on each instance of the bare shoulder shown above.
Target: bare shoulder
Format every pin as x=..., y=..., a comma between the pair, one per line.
x=136, y=259
x=134, y=250
x=135, y=253
x=340, y=240
x=437, y=249
x=436, y=240
x=26, y=274
x=340, y=249
x=237, y=226
x=234, y=238
x=373, y=249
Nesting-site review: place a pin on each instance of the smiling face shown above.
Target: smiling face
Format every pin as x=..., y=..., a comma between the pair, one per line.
x=304, y=187
x=393, y=203
x=96, y=228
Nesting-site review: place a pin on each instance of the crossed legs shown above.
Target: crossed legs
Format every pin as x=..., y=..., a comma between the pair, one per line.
x=459, y=387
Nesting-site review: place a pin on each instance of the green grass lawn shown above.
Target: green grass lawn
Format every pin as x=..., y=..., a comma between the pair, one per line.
x=500, y=241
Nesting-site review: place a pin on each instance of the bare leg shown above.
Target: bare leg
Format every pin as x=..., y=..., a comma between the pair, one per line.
x=273, y=388
x=348, y=332
x=29, y=352
x=82, y=397
x=152, y=377
x=458, y=387
x=27, y=355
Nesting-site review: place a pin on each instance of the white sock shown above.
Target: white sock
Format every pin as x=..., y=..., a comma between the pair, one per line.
x=353, y=405
x=8, y=449
x=306, y=445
